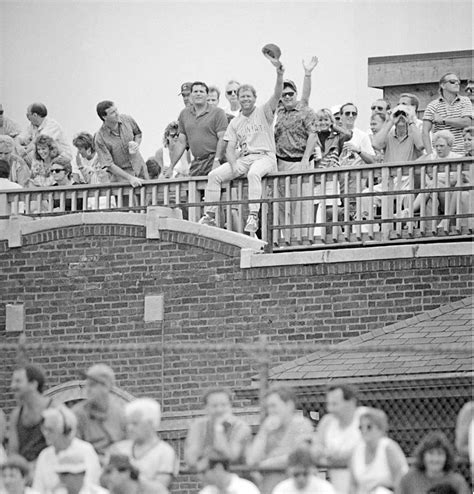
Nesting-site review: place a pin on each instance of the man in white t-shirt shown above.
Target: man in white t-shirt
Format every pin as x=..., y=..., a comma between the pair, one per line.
x=218, y=479
x=59, y=429
x=250, y=150
x=337, y=434
x=303, y=477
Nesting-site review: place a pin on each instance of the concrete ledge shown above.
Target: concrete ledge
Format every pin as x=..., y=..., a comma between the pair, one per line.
x=154, y=221
x=252, y=259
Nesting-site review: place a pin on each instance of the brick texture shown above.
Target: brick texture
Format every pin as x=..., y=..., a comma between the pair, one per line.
x=88, y=283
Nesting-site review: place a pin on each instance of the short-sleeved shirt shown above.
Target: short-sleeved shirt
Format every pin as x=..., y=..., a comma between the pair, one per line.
x=460, y=107
x=51, y=128
x=159, y=460
x=101, y=429
x=315, y=486
x=400, y=148
x=292, y=130
x=281, y=442
x=202, y=130
x=201, y=436
x=9, y=128
x=254, y=133
x=112, y=146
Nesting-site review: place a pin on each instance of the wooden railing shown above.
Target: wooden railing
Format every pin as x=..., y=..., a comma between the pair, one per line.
x=372, y=204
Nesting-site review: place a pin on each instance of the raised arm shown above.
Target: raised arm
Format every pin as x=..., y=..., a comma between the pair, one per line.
x=275, y=98
x=308, y=69
x=379, y=140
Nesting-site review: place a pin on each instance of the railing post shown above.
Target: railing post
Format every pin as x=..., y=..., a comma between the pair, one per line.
x=4, y=205
x=387, y=210
x=193, y=212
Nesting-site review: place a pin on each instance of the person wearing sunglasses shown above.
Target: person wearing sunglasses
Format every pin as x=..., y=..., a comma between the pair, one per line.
x=377, y=463
x=295, y=140
x=302, y=476
x=7, y=126
x=380, y=106
x=233, y=107
x=163, y=155
x=19, y=171
x=449, y=111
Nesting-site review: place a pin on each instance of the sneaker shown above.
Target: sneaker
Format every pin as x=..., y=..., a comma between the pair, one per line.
x=252, y=224
x=207, y=220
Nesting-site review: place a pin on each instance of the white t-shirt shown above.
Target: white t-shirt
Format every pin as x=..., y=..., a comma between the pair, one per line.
x=46, y=479
x=157, y=461
x=253, y=134
x=236, y=486
x=315, y=486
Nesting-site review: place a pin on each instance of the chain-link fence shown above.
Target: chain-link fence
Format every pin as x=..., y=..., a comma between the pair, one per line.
x=416, y=398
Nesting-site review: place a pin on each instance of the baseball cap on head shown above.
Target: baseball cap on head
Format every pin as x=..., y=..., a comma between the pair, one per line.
x=71, y=460
x=185, y=88
x=102, y=374
x=289, y=83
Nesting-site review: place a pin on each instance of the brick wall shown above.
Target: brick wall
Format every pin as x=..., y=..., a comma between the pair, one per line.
x=88, y=283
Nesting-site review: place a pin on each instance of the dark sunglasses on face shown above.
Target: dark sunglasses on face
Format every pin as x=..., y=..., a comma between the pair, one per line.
x=380, y=108
x=232, y=91
x=289, y=94
x=57, y=170
x=367, y=427
x=174, y=135
x=350, y=113
x=453, y=81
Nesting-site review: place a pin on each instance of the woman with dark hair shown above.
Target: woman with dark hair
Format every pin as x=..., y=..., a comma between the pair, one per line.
x=282, y=431
x=434, y=464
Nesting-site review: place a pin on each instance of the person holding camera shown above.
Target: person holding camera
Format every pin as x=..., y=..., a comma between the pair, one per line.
x=399, y=137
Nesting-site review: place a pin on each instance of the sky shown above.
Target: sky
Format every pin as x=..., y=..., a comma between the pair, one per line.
x=72, y=54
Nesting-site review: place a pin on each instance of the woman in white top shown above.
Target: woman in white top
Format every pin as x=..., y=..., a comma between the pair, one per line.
x=378, y=462
x=163, y=155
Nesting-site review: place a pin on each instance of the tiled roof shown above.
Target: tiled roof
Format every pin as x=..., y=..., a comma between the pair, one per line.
x=450, y=324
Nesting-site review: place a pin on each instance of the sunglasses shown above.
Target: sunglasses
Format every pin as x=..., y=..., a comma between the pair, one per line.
x=174, y=135
x=57, y=170
x=453, y=81
x=380, y=108
x=289, y=94
x=367, y=427
x=350, y=113
x=232, y=91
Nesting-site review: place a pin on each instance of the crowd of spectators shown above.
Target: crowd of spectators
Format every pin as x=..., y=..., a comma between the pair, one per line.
x=245, y=140
x=102, y=445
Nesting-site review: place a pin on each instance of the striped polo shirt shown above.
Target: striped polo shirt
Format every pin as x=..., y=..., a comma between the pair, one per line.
x=460, y=107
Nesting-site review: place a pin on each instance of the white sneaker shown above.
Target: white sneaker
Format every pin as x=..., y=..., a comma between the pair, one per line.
x=252, y=224
x=207, y=220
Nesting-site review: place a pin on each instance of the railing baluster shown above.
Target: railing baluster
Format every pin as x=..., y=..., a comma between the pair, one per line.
x=434, y=201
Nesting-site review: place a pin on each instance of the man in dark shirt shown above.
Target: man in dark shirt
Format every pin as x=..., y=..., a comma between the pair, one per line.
x=25, y=436
x=201, y=127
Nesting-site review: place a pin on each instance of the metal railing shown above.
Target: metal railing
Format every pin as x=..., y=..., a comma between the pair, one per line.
x=370, y=204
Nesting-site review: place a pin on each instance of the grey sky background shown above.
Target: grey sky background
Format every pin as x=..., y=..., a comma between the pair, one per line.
x=72, y=54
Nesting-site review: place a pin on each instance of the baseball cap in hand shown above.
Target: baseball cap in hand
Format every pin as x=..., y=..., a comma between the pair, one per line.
x=271, y=50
